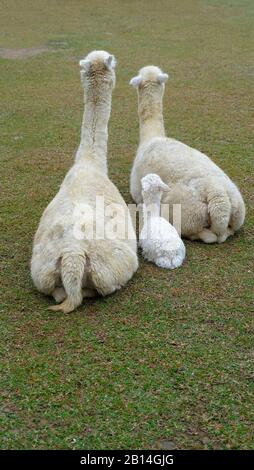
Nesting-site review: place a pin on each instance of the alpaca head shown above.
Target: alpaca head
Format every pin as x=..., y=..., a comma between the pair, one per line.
x=149, y=76
x=153, y=185
x=98, y=67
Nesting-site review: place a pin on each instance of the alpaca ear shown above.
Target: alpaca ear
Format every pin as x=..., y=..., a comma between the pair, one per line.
x=110, y=62
x=135, y=81
x=164, y=187
x=82, y=76
x=85, y=64
x=145, y=187
x=163, y=78
x=145, y=184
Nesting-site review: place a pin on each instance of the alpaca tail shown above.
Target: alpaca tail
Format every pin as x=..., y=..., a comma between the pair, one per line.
x=219, y=208
x=72, y=274
x=237, y=212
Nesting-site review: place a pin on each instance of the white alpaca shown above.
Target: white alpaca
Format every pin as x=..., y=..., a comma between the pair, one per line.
x=211, y=204
x=67, y=263
x=158, y=239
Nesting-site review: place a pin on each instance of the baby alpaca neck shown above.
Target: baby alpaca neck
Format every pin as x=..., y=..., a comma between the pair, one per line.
x=152, y=204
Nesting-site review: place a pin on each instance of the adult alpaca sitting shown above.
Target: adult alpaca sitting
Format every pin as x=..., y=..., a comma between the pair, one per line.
x=211, y=204
x=67, y=262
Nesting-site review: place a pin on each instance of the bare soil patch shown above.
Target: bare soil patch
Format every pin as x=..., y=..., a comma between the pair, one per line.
x=6, y=53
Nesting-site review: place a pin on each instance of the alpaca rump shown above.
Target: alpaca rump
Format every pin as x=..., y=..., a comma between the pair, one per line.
x=212, y=207
x=158, y=239
x=66, y=263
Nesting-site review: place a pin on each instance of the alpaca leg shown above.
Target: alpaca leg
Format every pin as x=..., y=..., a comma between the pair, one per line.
x=193, y=237
x=227, y=234
x=59, y=294
x=64, y=307
x=89, y=293
x=207, y=236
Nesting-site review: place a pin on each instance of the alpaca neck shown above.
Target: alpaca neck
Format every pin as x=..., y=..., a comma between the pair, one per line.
x=150, y=111
x=152, y=204
x=94, y=130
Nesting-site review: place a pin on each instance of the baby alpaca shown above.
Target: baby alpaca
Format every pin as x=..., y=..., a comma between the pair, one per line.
x=67, y=261
x=212, y=207
x=158, y=239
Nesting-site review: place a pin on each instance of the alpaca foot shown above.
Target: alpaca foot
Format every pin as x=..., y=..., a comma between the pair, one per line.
x=65, y=307
x=59, y=294
x=223, y=238
x=89, y=293
x=193, y=237
x=207, y=236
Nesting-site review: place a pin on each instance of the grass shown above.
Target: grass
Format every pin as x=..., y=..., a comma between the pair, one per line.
x=170, y=357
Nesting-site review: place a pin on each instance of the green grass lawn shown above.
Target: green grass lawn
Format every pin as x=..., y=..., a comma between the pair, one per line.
x=170, y=357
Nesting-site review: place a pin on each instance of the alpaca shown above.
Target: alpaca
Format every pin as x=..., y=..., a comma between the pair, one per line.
x=212, y=207
x=66, y=262
x=158, y=239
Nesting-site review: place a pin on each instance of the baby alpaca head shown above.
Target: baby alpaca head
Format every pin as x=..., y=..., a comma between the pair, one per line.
x=149, y=75
x=99, y=67
x=153, y=184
